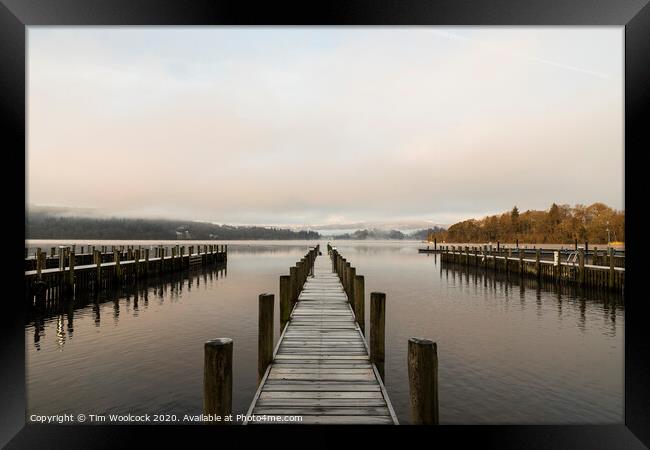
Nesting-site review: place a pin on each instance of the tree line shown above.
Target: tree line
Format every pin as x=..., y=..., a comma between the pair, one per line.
x=44, y=226
x=596, y=223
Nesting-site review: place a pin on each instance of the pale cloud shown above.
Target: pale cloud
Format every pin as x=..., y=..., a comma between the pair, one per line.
x=315, y=126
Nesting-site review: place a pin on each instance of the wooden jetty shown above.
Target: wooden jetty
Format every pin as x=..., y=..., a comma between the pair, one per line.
x=321, y=368
x=513, y=262
x=68, y=278
x=322, y=371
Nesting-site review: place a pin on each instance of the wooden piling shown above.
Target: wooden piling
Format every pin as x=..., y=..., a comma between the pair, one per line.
x=378, y=330
x=217, y=377
x=352, y=275
x=265, y=334
x=611, y=268
x=359, y=299
x=285, y=300
x=293, y=283
x=581, y=267
x=423, y=381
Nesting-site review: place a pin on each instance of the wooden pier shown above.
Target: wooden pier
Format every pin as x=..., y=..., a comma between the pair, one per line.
x=68, y=278
x=514, y=262
x=321, y=368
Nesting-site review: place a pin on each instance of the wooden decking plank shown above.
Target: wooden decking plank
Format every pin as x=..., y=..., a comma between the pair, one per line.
x=321, y=368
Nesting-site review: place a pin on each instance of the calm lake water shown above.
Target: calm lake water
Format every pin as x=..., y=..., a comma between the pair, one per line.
x=508, y=352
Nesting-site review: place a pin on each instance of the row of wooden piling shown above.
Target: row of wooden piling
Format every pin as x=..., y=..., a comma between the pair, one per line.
x=422, y=353
x=69, y=278
x=218, y=353
x=512, y=261
x=59, y=256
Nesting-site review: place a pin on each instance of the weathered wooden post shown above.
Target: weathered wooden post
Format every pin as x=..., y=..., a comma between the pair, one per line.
x=423, y=381
x=98, y=269
x=265, y=335
x=293, y=282
x=71, y=271
x=118, y=269
x=521, y=261
x=435, y=244
x=285, y=300
x=352, y=276
x=378, y=330
x=39, y=263
x=538, y=264
x=359, y=299
x=217, y=377
x=611, y=268
x=581, y=267
x=146, y=261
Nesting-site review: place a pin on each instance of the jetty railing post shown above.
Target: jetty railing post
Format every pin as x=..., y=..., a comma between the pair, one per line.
x=285, y=300
x=538, y=264
x=217, y=377
x=118, y=269
x=146, y=261
x=40, y=262
x=265, y=335
x=611, y=267
x=581, y=267
x=293, y=283
x=98, y=273
x=71, y=272
x=423, y=381
x=352, y=276
x=359, y=299
x=378, y=330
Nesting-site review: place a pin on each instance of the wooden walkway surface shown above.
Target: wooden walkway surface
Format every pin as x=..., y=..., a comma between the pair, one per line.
x=321, y=368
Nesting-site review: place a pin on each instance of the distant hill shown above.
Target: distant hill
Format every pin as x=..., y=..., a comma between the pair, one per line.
x=48, y=226
x=378, y=234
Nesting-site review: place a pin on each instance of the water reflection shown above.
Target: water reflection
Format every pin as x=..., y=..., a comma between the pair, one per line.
x=500, y=286
x=126, y=298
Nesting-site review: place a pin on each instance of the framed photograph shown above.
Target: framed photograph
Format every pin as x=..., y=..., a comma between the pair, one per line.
x=376, y=217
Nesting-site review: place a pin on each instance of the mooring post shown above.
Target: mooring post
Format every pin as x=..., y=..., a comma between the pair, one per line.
x=265, y=335
x=423, y=381
x=538, y=264
x=118, y=269
x=352, y=276
x=359, y=300
x=285, y=300
x=378, y=330
x=98, y=267
x=217, y=377
x=71, y=271
x=293, y=283
x=581, y=267
x=39, y=263
x=611, y=268
x=435, y=244
x=299, y=278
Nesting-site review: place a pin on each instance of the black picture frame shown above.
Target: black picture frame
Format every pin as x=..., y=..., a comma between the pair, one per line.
x=634, y=15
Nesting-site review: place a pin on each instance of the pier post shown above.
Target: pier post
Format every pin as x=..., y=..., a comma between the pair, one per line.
x=217, y=377
x=611, y=267
x=423, y=381
x=359, y=299
x=39, y=263
x=265, y=334
x=293, y=283
x=285, y=300
x=538, y=265
x=581, y=267
x=352, y=275
x=98, y=264
x=118, y=269
x=378, y=330
x=435, y=244
x=71, y=271
x=146, y=261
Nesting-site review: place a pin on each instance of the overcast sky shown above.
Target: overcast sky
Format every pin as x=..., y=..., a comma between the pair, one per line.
x=324, y=125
